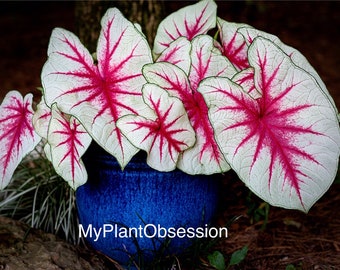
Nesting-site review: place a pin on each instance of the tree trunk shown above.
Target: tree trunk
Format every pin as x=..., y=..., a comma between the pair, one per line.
x=148, y=13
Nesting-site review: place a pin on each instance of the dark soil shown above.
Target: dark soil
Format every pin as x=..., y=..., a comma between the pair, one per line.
x=308, y=241
x=24, y=248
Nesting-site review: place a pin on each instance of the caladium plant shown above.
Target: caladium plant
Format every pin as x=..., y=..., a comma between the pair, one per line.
x=240, y=99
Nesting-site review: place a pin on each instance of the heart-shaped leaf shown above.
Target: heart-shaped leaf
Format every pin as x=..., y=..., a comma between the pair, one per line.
x=178, y=53
x=17, y=136
x=285, y=144
x=67, y=142
x=97, y=95
x=163, y=133
x=188, y=22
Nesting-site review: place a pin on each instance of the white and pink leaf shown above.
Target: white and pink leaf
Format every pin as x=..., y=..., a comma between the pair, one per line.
x=188, y=22
x=234, y=45
x=284, y=145
x=67, y=141
x=99, y=94
x=17, y=135
x=178, y=53
x=165, y=134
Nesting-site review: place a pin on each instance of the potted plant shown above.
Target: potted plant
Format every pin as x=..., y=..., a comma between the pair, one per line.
x=194, y=104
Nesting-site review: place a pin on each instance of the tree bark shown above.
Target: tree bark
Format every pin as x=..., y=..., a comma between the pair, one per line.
x=147, y=13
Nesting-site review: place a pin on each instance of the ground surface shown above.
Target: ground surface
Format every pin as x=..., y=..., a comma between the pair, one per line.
x=308, y=241
x=23, y=248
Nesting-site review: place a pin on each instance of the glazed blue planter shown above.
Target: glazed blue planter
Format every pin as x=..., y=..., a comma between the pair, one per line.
x=140, y=211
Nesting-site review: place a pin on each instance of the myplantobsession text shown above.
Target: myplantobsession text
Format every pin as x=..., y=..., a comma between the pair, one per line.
x=150, y=231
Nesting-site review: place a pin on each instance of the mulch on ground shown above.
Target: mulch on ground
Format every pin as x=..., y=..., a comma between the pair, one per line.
x=307, y=241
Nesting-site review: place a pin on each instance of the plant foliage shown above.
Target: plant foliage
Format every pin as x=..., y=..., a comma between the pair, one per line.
x=243, y=101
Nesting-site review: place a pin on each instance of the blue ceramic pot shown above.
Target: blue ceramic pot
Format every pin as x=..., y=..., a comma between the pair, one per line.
x=140, y=211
